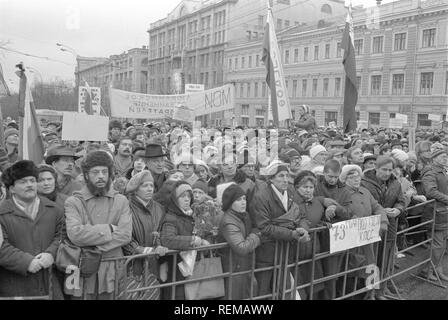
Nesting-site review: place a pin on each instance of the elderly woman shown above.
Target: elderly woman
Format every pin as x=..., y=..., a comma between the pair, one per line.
x=47, y=185
x=236, y=229
x=178, y=233
x=314, y=209
x=359, y=203
x=146, y=215
x=275, y=212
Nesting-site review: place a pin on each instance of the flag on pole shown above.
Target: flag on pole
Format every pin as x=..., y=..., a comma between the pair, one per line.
x=281, y=109
x=31, y=146
x=4, y=90
x=349, y=62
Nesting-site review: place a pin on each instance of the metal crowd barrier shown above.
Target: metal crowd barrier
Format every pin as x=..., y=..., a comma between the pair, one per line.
x=136, y=279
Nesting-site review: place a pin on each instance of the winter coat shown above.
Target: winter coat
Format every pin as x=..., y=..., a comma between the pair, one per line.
x=111, y=209
x=176, y=234
x=360, y=203
x=388, y=195
x=159, y=179
x=69, y=187
x=264, y=208
x=435, y=184
x=236, y=229
x=145, y=221
x=325, y=190
x=25, y=238
x=306, y=122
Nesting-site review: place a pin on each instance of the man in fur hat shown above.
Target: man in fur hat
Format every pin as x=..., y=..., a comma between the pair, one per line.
x=97, y=215
x=31, y=227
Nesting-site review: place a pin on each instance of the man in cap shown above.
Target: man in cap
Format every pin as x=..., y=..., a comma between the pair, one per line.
x=12, y=144
x=99, y=216
x=123, y=158
x=435, y=184
x=31, y=227
x=62, y=159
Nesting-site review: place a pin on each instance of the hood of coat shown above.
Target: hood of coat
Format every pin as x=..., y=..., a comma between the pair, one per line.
x=173, y=206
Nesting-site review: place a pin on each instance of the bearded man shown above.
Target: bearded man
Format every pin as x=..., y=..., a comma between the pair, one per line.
x=99, y=216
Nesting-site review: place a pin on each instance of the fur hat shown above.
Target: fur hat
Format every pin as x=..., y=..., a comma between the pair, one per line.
x=19, y=170
x=314, y=151
x=115, y=124
x=95, y=159
x=346, y=169
x=230, y=195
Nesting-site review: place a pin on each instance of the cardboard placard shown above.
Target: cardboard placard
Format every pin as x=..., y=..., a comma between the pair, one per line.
x=84, y=127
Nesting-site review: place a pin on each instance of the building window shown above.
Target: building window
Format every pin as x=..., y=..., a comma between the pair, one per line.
x=400, y=41
x=250, y=61
x=374, y=119
x=305, y=54
x=377, y=46
x=316, y=52
x=245, y=121
x=331, y=116
x=358, y=83
x=358, y=115
x=375, y=89
x=245, y=109
x=263, y=89
x=243, y=62
x=279, y=24
x=286, y=56
x=304, y=87
x=327, y=51
x=426, y=83
x=338, y=50
x=314, y=93
x=260, y=20
x=337, y=87
x=422, y=120
x=429, y=36
x=392, y=115
x=294, y=88
x=259, y=112
x=359, y=45
x=249, y=85
x=326, y=9
x=286, y=23
x=397, y=84
x=257, y=61
x=236, y=63
x=255, y=89
x=241, y=90
x=325, y=90
x=296, y=55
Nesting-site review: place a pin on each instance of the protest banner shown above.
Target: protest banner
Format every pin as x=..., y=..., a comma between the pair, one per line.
x=354, y=233
x=125, y=104
x=84, y=127
x=403, y=117
x=362, y=124
x=396, y=123
x=89, y=100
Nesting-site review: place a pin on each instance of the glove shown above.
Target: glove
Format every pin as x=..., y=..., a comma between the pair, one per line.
x=302, y=235
x=255, y=238
x=161, y=251
x=34, y=266
x=392, y=212
x=330, y=212
x=45, y=259
x=419, y=198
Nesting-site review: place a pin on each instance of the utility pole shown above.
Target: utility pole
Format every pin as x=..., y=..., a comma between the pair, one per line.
x=66, y=48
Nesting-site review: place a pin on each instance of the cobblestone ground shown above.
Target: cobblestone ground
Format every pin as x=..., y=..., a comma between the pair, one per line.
x=413, y=288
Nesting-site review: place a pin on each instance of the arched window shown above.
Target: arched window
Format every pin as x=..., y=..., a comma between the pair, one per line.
x=326, y=9
x=182, y=11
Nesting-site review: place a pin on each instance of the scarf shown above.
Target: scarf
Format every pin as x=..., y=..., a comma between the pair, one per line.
x=30, y=210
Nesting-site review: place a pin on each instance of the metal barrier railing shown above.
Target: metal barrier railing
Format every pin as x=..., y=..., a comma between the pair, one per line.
x=135, y=278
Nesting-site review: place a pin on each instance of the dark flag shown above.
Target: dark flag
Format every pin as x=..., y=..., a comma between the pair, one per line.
x=349, y=62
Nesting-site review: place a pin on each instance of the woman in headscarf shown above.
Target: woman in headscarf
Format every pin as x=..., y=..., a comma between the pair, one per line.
x=236, y=229
x=178, y=233
x=47, y=185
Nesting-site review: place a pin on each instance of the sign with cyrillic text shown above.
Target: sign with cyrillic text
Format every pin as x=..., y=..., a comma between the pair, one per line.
x=125, y=104
x=84, y=127
x=354, y=233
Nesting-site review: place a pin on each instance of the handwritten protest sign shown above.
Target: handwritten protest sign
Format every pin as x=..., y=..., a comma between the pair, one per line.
x=434, y=117
x=354, y=233
x=84, y=127
x=362, y=124
x=183, y=113
x=125, y=104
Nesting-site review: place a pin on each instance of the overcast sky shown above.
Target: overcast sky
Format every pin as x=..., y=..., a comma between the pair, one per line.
x=92, y=27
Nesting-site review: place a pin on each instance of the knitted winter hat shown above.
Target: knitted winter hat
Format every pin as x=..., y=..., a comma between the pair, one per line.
x=201, y=184
x=230, y=195
x=314, y=151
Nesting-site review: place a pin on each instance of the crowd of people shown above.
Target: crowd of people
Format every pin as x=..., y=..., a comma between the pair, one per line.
x=146, y=191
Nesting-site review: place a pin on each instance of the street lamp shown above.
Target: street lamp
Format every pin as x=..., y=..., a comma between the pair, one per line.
x=66, y=48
